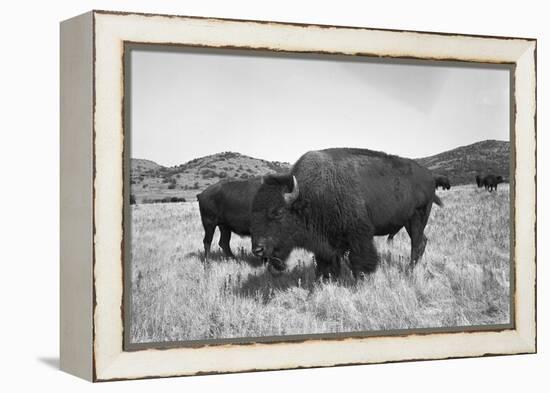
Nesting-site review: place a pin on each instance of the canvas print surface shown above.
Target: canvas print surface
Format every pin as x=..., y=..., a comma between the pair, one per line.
x=279, y=195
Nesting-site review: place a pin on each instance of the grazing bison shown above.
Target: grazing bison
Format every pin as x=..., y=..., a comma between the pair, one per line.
x=479, y=181
x=442, y=181
x=491, y=182
x=334, y=201
x=226, y=205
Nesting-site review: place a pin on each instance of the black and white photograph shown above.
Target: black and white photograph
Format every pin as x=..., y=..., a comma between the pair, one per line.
x=264, y=196
x=278, y=195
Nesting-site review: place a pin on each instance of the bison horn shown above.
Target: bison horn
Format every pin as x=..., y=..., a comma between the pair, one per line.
x=290, y=197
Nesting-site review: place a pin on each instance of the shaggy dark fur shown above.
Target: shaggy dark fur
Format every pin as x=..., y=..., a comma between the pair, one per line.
x=346, y=196
x=226, y=205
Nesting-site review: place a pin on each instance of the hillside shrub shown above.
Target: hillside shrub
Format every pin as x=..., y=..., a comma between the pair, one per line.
x=172, y=199
x=208, y=173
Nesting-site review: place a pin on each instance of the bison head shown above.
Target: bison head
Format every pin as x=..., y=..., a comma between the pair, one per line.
x=275, y=219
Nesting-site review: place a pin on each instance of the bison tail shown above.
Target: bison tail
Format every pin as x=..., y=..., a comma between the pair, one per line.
x=438, y=201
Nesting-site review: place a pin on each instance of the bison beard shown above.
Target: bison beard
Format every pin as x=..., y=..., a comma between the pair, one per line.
x=334, y=202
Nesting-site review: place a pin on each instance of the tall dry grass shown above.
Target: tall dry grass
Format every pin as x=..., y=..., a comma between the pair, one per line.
x=463, y=279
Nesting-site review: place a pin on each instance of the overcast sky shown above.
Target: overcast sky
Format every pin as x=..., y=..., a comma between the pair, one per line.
x=190, y=104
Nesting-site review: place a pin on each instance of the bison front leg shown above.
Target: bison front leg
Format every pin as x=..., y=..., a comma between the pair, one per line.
x=327, y=267
x=391, y=235
x=363, y=257
x=225, y=237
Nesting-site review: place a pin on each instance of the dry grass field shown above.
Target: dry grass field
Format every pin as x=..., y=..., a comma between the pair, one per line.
x=463, y=279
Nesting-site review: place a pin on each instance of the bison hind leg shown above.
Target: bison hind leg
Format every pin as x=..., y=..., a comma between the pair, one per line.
x=207, y=240
x=415, y=228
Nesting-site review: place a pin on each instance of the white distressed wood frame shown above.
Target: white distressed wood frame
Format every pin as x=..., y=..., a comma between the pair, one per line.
x=92, y=167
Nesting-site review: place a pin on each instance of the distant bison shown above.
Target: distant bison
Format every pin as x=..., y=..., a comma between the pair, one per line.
x=226, y=205
x=479, y=181
x=442, y=181
x=490, y=182
x=334, y=201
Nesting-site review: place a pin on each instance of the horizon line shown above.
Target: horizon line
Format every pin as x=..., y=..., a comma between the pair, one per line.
x=286, y=162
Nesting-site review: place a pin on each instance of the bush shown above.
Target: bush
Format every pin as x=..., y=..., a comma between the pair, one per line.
x=244, y=176
x=164, y=200
x=208, y=173
x=172, y=186
x=196, y=185
x=132, y=199
x=222, y=175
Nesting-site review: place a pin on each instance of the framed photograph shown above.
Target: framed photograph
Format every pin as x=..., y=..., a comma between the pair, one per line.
x=246, y=195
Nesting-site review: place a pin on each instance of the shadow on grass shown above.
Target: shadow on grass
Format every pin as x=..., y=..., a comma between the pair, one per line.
x=265, y=284
x=217, y=256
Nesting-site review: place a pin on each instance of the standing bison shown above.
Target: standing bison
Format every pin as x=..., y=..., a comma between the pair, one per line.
x=479, y=181
x=442, y=181
x=226, y=205
x=334, y=201
x=490, y=182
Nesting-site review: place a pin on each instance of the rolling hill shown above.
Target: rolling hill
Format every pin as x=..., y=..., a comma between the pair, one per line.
x=153, y=182
x=462, y=164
